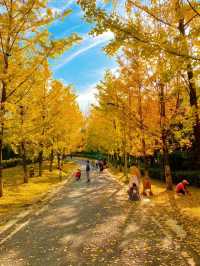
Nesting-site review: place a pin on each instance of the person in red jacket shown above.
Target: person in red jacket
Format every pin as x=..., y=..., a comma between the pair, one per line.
x=181, y=188
x=147, y=191
x=78, y=175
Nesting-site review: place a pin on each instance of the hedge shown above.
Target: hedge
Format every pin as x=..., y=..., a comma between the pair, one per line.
x=192, y=176
x=11, y=162
x=90, y=155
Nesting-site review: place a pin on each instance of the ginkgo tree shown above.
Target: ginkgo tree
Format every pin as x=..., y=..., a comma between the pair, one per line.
x=163, y=38
x=47, y=121
x=25, y=44
x=64, y=122
x=145, y=102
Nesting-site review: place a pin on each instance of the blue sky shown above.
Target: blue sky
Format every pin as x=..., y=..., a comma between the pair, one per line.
x=84, y=64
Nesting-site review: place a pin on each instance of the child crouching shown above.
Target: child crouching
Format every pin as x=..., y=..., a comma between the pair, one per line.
x=78, y=175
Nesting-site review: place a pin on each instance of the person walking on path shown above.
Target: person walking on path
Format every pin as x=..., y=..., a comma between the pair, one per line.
x=101, y=166
x=88, y=170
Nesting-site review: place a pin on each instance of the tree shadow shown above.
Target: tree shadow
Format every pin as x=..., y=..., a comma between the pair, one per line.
x=88, y=224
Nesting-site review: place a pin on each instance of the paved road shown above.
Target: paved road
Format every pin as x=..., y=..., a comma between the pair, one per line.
x=93, y=224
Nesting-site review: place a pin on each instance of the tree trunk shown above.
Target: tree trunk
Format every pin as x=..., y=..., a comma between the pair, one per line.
x=166, y=165
x=40, y=161
x=62, y=158
x=125, y=161
x=192, y=95
x=3, y=100
x=108, y=158
x=24, y=161
x=2, y=108
x=58, y=160
x=1, y=168
x=51, y=161
x=120, y=162
x=167, y=169
x=143, y=142
x=195, y=108
x=23, y=148
x=125, y=164
x=59, y=166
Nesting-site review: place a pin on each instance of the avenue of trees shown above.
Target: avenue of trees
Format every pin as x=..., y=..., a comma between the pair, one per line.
x=148, y=108
x=39, y=116
x=150, y=105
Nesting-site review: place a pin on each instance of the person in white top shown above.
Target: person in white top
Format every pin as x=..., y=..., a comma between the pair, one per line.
x=134, y=180
x=134, y=184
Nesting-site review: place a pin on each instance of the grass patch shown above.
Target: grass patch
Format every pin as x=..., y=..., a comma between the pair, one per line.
x=18, y=195
x=188, y=206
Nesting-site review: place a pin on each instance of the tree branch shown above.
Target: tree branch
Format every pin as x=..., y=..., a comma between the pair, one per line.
x=193, y=8
x=22, y=24
x=190, y=20
x=152, y=15
x=156, y=45
x=28, y=76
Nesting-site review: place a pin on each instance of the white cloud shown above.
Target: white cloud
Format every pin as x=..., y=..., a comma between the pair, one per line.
x=70, y=2
x=61, y=5
x=115, y=71
x=88, y=43
x=87, y=97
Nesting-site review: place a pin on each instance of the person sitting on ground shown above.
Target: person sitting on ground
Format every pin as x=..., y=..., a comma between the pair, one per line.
x=78, y=175
x=181, y=188
x=135, y=177
x=104, y=164
x=133, y=193
x=147, y=186
x=134, y=183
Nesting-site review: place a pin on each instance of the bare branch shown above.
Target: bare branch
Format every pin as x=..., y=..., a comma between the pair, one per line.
x=28, y=76
x=152, y=15
x=5, y=5
x=193, y=8
x=22, y=24
x=156, y=45
x=1, y=40
x=190, y=20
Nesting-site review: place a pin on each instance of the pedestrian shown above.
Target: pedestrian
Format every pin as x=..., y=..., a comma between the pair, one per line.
x=101, y=166
x=88, y=170
x=96, y=164
x=181, y=188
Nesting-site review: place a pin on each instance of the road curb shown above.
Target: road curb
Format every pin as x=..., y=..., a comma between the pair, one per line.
x=113, y=177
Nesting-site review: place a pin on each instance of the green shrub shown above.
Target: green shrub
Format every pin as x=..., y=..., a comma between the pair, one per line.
x=90, y=155
x=156, y=173
x=192, y=176
x=11, y=162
